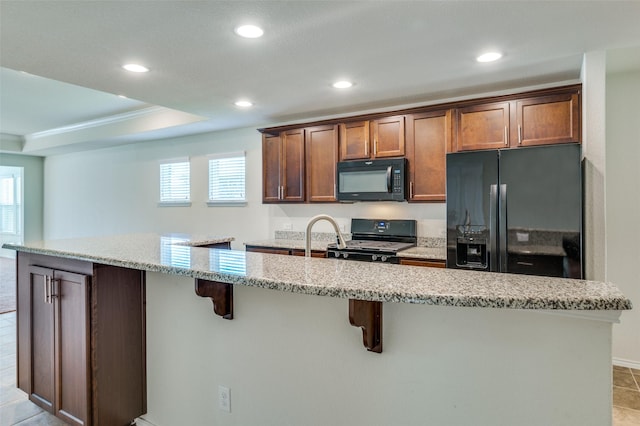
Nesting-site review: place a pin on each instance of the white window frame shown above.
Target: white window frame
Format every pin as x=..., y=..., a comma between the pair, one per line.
x=12, y=202
x=217, y=202
x=174, y=202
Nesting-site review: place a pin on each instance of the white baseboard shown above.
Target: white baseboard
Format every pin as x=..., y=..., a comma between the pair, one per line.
x=626, y=363
x=142, y=422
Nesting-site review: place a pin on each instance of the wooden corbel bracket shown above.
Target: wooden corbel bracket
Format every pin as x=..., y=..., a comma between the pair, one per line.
x=368, y=316
x=221, y=295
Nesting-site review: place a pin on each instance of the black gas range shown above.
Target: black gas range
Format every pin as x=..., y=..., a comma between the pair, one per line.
x=377, y=240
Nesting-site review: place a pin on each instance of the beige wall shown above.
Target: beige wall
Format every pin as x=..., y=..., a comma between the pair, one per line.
x=623, y=207
x=293, y=359
x=593, y=151
x=33, y=195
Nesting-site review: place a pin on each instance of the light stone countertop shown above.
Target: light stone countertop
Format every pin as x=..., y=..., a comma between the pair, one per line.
x=289, y=244
x=336, y=278
x=428, y=253
x=431, y=253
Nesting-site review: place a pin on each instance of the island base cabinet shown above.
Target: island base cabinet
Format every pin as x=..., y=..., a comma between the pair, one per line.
x=81, y=342
x=59, y=349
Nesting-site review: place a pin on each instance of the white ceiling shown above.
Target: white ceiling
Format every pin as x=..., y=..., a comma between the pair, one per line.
x=397, y=52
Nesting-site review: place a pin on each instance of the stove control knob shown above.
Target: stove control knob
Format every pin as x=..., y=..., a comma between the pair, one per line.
x=345, y=255
x=374, y=257
x=336, y=254
x=384, y=258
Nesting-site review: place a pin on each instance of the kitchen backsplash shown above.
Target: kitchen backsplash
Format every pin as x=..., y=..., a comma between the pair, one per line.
x=315, y=236
x=431, y=242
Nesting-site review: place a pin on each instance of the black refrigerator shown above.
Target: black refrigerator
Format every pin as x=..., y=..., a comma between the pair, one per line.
x=516, y=210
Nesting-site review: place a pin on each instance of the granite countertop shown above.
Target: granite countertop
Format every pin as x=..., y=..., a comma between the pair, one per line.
x=336, y=278
x=196, y=240
x=429, y=253
x=289, y=244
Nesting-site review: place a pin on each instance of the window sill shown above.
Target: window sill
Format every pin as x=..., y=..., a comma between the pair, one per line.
x=174, y=204
x=226, y=203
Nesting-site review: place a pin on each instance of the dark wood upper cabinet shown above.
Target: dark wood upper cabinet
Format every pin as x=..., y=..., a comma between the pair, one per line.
x=271, y=155
x=361, y=140
x=293, y=166
x=428, y=140
x=321, y=151
x=354, y=141
x=551, y=119
x=283, y=167
x=388, y=136
x=299, y=160
x=484, y=126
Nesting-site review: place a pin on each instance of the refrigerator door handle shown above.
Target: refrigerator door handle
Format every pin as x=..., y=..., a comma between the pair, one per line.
x=493, y=237
x=502, y=232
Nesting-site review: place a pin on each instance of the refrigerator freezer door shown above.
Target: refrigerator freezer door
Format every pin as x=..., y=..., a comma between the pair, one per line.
x=469, y=179
x=543, y=216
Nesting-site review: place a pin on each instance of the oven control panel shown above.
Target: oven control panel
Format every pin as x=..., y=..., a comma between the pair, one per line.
x=363, y=257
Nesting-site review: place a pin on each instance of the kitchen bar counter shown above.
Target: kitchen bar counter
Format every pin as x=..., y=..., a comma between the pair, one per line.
x=280, y=339
x=335, y=278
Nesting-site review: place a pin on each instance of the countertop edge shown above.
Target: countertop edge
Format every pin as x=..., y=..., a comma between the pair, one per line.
x=608, y=303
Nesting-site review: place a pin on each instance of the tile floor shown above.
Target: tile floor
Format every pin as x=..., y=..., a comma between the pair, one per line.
x=626, y=396
x=16, y=409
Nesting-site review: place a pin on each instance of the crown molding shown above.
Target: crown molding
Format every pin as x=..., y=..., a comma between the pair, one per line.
x=11, y=143
x=103, y=121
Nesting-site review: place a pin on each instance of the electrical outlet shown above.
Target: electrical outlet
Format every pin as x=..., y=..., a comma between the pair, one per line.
x=224, y=398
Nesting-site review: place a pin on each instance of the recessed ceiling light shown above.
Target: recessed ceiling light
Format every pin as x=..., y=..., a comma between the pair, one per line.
x=122, y=96
x=489, y=57
x=135, y=68
x=249, y=31
x=243, y=104
x=343, y=84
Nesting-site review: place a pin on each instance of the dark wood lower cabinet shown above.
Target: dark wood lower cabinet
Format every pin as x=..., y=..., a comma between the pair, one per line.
x=285, y=251
x=422, y=262
x=81, y=339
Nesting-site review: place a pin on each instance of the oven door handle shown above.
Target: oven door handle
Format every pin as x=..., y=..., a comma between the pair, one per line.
x=389, y=179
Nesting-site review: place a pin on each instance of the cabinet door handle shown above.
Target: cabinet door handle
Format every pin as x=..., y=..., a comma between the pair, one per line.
x=506, y=136
x=53, y=289
x=519, y=134
x=48, y=289
x=375, y=147
x=45, y=281
x=410, y=189
x=366, y=148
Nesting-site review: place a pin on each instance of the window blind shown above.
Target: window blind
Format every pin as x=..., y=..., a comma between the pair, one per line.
x=175, y=184
x=227, y=177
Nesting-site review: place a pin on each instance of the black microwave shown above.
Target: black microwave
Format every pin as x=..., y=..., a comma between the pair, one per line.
x=372, y=180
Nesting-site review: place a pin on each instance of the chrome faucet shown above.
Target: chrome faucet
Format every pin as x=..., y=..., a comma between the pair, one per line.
x=332, y=221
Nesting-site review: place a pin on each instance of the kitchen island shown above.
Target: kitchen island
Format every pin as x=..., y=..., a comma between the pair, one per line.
x=487, y=349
